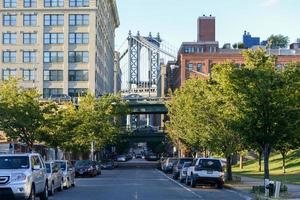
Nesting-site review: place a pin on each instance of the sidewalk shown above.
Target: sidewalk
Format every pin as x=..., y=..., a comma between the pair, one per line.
x=247, y=183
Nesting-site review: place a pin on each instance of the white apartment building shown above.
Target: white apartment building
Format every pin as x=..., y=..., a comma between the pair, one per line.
x=59, y=46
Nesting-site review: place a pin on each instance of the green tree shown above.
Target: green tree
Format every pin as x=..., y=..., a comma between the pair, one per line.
x=20, y=113
x=262, y=99
x=278, y=41
x=238, y=45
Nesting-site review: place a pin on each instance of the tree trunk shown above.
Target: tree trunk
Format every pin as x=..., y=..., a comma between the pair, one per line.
x=241, y=161
x=228, y=168
x=259, y=160
x=266, y=161
x=283, y=154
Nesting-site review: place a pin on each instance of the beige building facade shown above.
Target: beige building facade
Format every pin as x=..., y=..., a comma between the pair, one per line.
x=59, y=46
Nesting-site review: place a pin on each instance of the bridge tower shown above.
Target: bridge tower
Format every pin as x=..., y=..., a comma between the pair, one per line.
x=135, y=45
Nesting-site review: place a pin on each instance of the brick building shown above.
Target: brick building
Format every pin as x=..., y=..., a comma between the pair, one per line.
x=197, y=58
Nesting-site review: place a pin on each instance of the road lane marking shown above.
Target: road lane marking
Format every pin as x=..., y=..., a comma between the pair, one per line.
x=184, y=187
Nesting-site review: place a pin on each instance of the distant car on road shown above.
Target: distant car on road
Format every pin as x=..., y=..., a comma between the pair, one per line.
x=168, y=165
x=68, y=172
x=97, y=164
x=205, y=171
x=178, y=166
x=23, y=176
x=152, y=157
x=121, y=158
x=138, y=156
x=55, y=177
x=85, y=168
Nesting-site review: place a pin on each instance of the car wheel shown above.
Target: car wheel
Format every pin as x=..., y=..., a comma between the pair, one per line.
x=61, y=186
x=73, y=184
x=32, y=193
x=193, y=182
x=44, y=195
x=51, y=191
x=220, y=186
x=187, y=180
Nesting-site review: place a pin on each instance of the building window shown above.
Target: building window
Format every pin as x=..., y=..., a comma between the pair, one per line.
x=78, y=75
x=190, y=67
x=9, y=20
x=7, y=73
x=54, y=3
x=199, y=67
x=47, y=92
x=29, y=38
x=29, y=3
x=53, y=38
x=53, y=56
x=78, y=20
x=78, y=56
x=29, y=20
x=28, y=75
x=78, y=38
x=29, y=56
x=54, y=20
x=53, y=75
x=79, y=3
x=77, y=92
x=9, y=38
x=10, y=3
x=9, y=56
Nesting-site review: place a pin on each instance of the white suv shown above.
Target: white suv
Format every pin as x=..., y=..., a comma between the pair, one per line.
x=23, y=176
x=205, y=171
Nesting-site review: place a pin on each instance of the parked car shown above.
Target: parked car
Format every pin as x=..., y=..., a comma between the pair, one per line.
x=107, y=165
x=168, y=165
x=152, y=157
x=98, y=166
x=205, y=171
x=183, y=171
x=178, y=166
x=85, y=168
x=23, y=176
x=121, y=158
x=68, y=172
x=138, y=156
x=55, y=177
x=161, y=162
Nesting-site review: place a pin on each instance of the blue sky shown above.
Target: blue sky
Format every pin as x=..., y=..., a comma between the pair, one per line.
x=176, y=20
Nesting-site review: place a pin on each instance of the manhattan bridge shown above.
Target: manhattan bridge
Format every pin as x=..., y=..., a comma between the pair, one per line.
x=143, y=62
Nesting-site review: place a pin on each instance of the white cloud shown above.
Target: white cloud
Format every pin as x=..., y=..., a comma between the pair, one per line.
x=269, y=3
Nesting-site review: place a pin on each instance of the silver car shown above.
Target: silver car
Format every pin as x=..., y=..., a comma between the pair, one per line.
x=183, y=171
x=23, y=176
x=55, y=177
x=68, y=173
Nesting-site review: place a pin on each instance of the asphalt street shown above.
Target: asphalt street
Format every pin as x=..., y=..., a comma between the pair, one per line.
x=141, y=184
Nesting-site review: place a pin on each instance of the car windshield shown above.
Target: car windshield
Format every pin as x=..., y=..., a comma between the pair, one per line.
x=62, y=165
x=187, y=164
x=181, y=161
x=14, y=162
x=210, y=164
x=83, y=163
x=48, y=167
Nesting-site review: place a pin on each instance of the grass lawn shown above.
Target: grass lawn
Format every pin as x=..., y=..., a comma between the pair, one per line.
x=292, y=174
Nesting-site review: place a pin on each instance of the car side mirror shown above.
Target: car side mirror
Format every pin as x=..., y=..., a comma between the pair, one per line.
x=36, y=167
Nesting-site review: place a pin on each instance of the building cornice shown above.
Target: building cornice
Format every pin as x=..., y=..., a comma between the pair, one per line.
x=115, y=13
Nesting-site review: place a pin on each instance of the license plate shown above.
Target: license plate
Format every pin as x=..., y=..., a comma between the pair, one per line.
x=209, y=172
